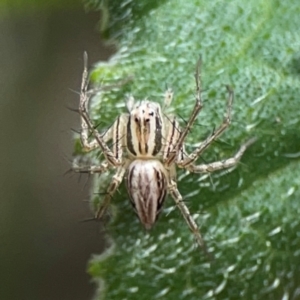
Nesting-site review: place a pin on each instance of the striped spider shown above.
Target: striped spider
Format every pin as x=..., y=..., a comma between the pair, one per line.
x=147, y=147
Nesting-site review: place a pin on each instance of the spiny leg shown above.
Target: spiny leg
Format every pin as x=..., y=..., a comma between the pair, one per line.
x=218, y=165
x=116, y=132
x=84, y=101
x=92, y=169
x=205, y=144
x=84, y=135
x=195, y=112
x=93, y=144
x=116, y=181
x=173, y=191
x=87, y=123
x=113, y=132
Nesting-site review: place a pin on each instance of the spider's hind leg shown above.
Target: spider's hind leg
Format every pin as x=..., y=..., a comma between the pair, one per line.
x=223, y=164
x=175, y=194
x=113, y=186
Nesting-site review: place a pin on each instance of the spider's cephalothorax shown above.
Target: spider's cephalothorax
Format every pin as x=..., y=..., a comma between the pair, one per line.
x=147, y=147
x=145, y=129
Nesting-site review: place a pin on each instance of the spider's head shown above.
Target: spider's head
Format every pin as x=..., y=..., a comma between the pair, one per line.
x=145, y=112
x=143, y=108
x=144, y=129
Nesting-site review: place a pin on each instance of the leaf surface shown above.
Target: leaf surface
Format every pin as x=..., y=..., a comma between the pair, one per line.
x=249, y=216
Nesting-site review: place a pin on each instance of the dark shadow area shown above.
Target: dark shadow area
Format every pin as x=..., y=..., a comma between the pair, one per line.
x=294, y=64
x=44, y=247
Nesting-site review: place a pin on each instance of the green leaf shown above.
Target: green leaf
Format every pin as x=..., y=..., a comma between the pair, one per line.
x=249, y=216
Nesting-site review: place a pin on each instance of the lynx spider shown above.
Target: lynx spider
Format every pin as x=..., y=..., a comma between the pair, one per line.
x=147, y=146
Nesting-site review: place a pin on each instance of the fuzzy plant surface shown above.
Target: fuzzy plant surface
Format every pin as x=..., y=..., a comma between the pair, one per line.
x=249, y=215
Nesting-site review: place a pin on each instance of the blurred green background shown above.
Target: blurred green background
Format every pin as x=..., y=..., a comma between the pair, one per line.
x=44, y=248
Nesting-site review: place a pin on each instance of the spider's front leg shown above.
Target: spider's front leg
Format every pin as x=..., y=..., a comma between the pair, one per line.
x=198, y=106
x=117, y=133
x=87, y=125
x=113, y=133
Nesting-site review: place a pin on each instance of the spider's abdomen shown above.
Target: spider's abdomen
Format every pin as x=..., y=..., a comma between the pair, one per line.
x=147, y=187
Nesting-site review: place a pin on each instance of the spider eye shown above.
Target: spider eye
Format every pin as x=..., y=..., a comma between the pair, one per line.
x=136, y=120
x=151, y=114
x=147, y=120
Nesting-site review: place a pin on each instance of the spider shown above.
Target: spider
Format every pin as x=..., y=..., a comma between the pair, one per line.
x=147, y=147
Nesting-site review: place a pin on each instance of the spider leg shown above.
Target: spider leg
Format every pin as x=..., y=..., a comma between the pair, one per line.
x=87, y=125
x=113, y=186
x=206, y=143
x=223, y=164
x=198, y=106
x=93, y=144
x=92, y=169
x=175, y=194
x=116, y=133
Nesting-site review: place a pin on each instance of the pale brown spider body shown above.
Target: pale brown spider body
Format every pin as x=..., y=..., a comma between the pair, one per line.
x=147, y=147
